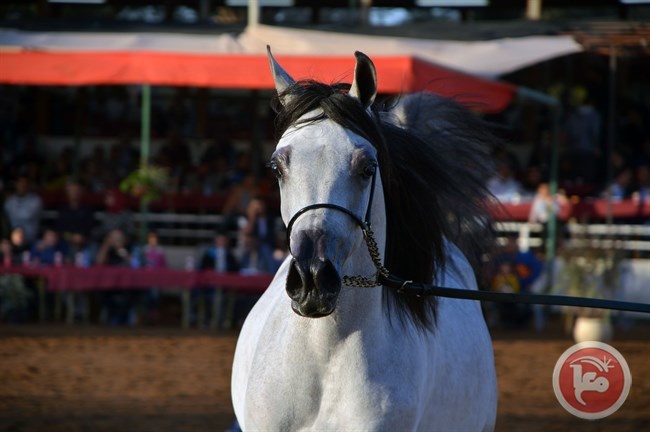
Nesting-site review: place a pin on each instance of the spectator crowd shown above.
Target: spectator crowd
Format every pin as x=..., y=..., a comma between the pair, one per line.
x=251, y=238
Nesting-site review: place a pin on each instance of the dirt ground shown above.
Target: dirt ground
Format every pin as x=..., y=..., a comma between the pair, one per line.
x=89, y=378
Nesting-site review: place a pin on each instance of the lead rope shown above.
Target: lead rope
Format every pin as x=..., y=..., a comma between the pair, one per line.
x=407, y=287
x=383, y=277
x=375, y=256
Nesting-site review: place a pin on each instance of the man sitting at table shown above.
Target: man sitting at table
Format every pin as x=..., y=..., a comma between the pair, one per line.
x=50, y=249
x=219, y=256
x=75, y=216
x=117, y=305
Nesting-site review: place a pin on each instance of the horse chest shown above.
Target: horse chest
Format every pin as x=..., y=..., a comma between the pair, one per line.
x=309, y=383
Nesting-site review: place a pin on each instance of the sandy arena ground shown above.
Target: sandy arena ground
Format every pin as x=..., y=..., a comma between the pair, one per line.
x=89, y=378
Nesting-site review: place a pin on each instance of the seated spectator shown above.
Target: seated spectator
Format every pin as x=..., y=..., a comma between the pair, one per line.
x=642, y=192
x=116, y=214
x=219, y=256
x=254, y=258
x=218, y=179
x=117, y=306
x=153, y=257
x=545, y=206
x=175, y=154
x=503, y=186
x=281, y=251
x=115, y=250
x=618, y=190
x=237, y=201
x=241, y=167
x=153, y=254
x=50, y=249
x=74, y=216
x=219, y=148
x=16, y=250
x=531, y=180
x=92, y=174
x=582, y=133
x=59, y=173
x=526, y=265
x=208, y=177
x=259, y=234
x=123, y=157
x=5, y=253
x=506, y=281
x=80, y=251
x=23, y=209
x=214, y=166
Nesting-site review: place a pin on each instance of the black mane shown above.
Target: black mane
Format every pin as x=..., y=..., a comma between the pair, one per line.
x=434, y=162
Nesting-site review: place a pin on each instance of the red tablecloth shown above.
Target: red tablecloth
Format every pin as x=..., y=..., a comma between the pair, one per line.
x=593, y=209
x=72, y=278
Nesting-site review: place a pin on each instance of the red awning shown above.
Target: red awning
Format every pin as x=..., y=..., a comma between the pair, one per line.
x=397, y=74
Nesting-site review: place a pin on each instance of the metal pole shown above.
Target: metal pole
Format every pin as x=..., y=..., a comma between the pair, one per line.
x=145, y=150
x=554, y=105
x=611, y=130
x=145, y=125
x=534, y=10
x=253, y=12
x=80, y=120
x=551, y=235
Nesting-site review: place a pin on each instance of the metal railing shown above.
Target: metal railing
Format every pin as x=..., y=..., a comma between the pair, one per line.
x=193, y=229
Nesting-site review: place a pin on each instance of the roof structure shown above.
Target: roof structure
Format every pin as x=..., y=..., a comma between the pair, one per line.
x=463, y=70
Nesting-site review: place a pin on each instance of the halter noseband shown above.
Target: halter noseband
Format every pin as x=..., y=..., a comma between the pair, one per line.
x=364, y=224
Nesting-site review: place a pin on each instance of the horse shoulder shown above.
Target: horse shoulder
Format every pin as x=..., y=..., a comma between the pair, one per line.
x=463, y=381
x=249, y=338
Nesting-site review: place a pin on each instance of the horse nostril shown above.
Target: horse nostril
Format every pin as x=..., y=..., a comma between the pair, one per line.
x=295, y=280
x=326, y=278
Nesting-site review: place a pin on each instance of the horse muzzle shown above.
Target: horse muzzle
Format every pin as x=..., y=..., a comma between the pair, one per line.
x=313, y=282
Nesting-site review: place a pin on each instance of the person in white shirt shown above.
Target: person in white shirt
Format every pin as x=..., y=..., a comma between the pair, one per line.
x=23, y=209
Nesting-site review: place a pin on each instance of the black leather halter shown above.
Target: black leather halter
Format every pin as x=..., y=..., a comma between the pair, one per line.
x=364, y=224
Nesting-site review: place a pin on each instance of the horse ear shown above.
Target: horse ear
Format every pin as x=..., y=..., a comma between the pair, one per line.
x=364, y=85
x=281, y=78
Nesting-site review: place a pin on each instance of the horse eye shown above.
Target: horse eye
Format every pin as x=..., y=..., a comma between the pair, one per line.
x=369, y=170
x=275, y=169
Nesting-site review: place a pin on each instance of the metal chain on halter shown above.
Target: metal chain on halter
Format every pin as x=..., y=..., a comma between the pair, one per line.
x=373, y=250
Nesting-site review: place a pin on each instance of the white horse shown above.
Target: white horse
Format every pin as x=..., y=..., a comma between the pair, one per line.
x=317, y=352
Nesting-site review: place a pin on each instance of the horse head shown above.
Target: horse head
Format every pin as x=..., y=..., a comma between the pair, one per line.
x=327, y=175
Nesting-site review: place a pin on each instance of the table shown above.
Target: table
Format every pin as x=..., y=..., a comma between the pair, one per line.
x=72, y=280
x=588, y=208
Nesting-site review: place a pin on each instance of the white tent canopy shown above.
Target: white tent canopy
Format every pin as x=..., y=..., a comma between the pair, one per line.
x=486, y=58
x=490, y=58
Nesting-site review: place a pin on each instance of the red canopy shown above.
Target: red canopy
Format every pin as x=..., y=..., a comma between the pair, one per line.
x=397, y=74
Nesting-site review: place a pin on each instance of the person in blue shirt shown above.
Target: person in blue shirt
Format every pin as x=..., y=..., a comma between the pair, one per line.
x=527, y=267
x=219, y=257
x=50, y=249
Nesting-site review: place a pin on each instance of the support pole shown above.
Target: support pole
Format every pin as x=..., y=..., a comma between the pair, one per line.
x=80, y=121
x=145, y=125
x=611, y=131
x=145, y=150
x=551, y=234
x=554, y=106
x=253, y=13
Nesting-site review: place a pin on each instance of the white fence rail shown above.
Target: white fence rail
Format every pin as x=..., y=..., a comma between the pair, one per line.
x=626, y=237
x=191, y=229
